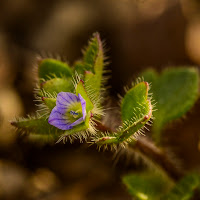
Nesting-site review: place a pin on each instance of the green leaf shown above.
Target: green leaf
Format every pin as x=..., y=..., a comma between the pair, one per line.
x=146, y=186
x=92, y=66
x=51, y=68
x=90, y=86
x=175, y=91
x=80, y=89
x=79, y=67
x=35, y=125
x=99, y=65
x=89, y=78
x=132, y=100
x=49, y=102
x=91, y=53
x=57, y=85
x=136, y=109
x=153, y=186
x=185, y=188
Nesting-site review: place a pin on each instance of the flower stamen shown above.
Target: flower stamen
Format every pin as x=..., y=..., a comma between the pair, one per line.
x=74, y=114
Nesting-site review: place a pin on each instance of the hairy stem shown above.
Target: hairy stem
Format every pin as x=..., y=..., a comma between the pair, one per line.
x=159, y=156
x=154, y=153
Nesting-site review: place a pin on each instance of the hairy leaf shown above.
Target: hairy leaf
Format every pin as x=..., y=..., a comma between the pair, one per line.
x=136, y=111
x=80, y=89
x=35, y=125
x=79, y=67
x=90, y=86
x=51, y=68
x=91, y=53
x=93, y=63
x=49, y=102
x=132, y=101
x=57, y=85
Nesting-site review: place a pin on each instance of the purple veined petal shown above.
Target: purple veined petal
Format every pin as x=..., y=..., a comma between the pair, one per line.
x=64, y=99
x=83, y=104
x=58, y=120
x=77, y=122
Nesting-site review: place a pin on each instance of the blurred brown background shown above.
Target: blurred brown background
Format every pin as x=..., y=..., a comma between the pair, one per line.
x=138, y=34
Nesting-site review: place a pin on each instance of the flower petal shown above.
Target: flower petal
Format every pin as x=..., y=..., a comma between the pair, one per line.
x=58, y=120
x=77, y=122
x=64, y=99
x=83, y=104
x=58, y=116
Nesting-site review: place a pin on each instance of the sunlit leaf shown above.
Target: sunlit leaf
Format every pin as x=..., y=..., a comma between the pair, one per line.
x=175, y=91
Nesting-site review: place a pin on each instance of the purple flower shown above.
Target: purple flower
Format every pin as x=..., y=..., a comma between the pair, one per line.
x=70, y=110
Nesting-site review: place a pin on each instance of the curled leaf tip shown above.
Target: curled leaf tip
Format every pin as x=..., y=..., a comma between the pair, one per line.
x=148, y=116
x=43, y=98
x=13, y=123
x=147, y=84
x=96, y=34
x=42, y=84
